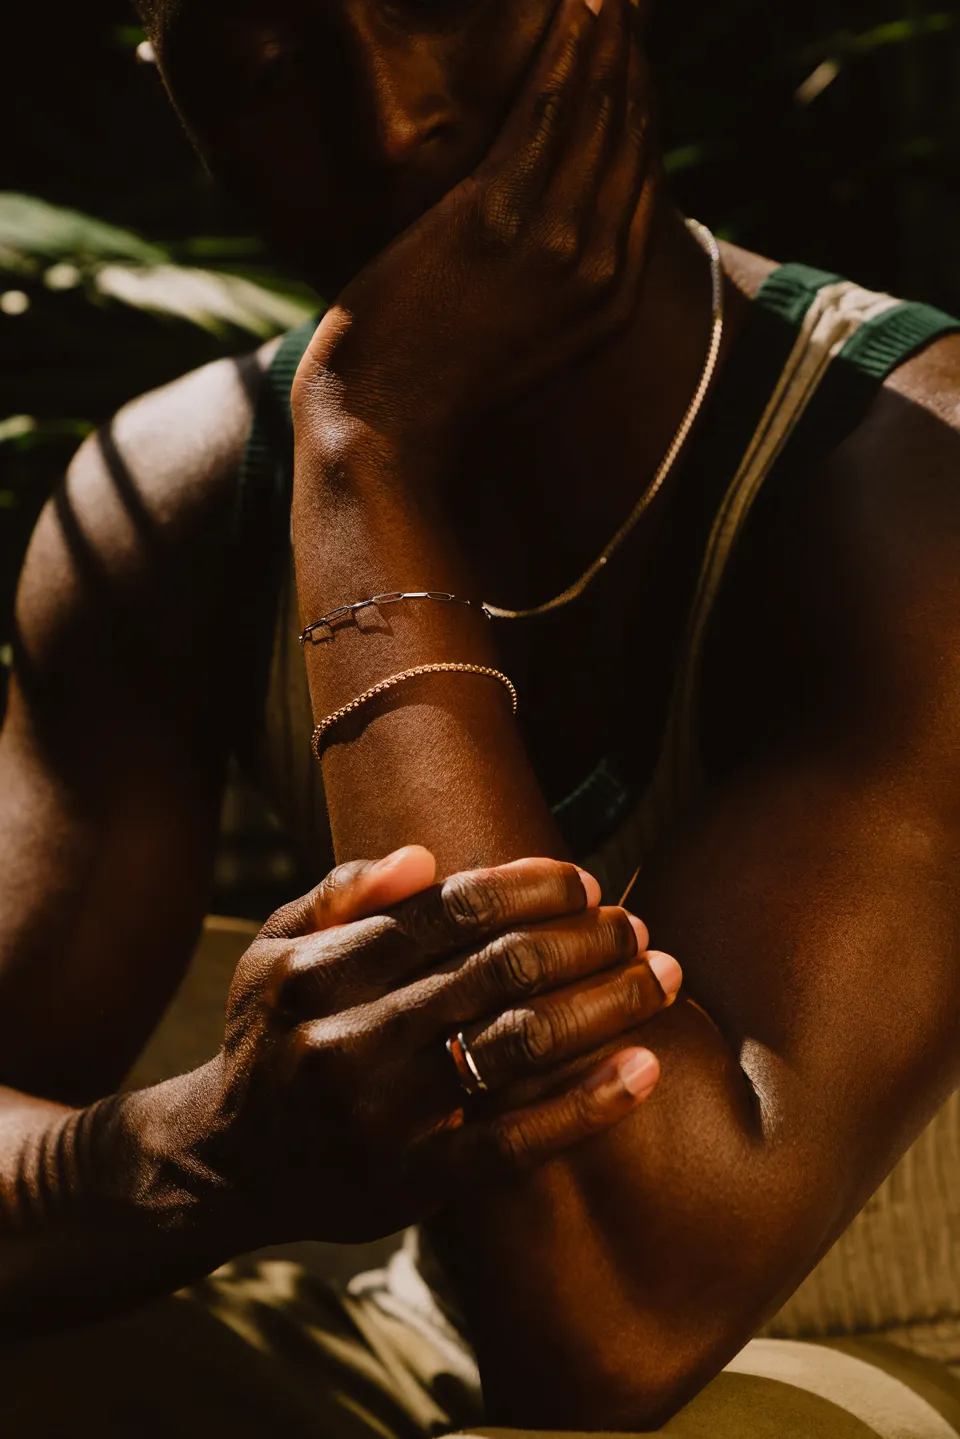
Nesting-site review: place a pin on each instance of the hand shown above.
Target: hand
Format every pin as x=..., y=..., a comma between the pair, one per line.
x=525, y=265
x=341, y=1115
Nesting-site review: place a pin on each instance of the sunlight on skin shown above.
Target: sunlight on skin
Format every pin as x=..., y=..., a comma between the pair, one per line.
x=413, y=868
x=396, y=877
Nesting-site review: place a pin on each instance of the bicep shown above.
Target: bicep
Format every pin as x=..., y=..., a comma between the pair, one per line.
x=816, y=914
x=813, y=899
x=100, y=904
x=111, y=770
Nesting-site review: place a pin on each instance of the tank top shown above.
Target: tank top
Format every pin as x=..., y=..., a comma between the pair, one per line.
x=811, y=357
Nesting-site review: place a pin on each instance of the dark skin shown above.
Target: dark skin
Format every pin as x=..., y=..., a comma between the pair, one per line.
x=608, y=1286
x=826, y=846
x=333, y=1060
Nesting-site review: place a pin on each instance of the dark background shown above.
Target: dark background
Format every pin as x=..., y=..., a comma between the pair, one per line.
x=828, y=133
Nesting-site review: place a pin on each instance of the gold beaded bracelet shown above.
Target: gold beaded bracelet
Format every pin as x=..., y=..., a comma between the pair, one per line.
x=330, y=720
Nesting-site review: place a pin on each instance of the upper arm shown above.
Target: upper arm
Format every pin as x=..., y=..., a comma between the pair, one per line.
x=113, y=746
x=813, y=900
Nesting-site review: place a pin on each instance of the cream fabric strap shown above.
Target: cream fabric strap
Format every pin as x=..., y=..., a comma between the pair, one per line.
x=837, y=313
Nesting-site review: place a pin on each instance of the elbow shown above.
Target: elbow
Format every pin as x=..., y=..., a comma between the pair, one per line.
x=633, y=1382
x=651, y=1340
x=633, y=1394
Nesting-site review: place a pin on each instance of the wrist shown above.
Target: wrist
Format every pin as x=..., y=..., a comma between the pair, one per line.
x=349, y=394
x=157, y=1155
x=340, y=459
x=111, y=1206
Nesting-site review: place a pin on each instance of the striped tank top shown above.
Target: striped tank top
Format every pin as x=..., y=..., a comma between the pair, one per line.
x=812, y=355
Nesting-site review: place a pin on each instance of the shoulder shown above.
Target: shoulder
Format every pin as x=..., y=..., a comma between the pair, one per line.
x=866, y=569
x=746, y=269
x=842, y=624
x=180, y=445
x=887, y=499
x=892, y=489
x=121, y=575
x=163, y=467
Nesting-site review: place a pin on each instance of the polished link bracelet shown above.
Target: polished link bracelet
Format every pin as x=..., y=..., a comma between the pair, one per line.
x=390, y=598
x=451, y=667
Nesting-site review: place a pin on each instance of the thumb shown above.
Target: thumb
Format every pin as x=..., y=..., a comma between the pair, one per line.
x=355, y=890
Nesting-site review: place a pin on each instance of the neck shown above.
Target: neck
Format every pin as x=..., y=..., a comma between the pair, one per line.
x=560, y=470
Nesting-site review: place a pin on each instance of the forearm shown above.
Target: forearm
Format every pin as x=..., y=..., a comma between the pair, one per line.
x=103, y=1208
x=440, y=761
x=446, y=768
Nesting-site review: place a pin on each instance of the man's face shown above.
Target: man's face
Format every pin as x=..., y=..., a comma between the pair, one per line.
x=337, y=123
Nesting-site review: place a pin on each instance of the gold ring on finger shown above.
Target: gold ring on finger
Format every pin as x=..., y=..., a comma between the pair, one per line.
x=471, y=1080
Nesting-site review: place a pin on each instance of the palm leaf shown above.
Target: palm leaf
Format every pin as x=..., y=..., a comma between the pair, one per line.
x=207, y=298
x=33, y=229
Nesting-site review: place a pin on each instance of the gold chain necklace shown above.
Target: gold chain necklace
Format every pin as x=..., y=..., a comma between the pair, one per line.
x=709, y=243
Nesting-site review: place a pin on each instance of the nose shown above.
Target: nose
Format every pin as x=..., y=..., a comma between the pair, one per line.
x=406, y=83
x=413, y=114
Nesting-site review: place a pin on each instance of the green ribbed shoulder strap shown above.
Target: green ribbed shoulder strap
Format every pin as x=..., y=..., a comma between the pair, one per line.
x=261, y=533
x=880, y=346
x=873, y=352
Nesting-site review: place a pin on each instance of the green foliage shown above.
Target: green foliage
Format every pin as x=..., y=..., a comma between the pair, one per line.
x=31, y=231
x=66, y=250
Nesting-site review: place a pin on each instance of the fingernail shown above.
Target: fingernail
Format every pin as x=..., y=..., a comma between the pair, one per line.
x=639, y=1072
x=668, y=972
x=390, y=860
x=591, y=886
x=640, y=930
x=633, y=1070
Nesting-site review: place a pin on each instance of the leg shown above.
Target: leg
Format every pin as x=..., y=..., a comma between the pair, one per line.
x=261, y=1346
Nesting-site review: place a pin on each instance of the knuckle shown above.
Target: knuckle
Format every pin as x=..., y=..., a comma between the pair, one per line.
x=473, y=901
x=284, y=984
x=286, y=920
x=637, y=123
x=331, y=1057
x=516, y=965
x=570, y=884
x=601, y=98
x=534, y=1037
x=636, y=994
x=499, y=217
x=588, y=1114
x=309, y=1059
x=616, y=935
x=603, y=271
x=560, y=245
x=299, y=978
x=548, y=105
x=339, y=879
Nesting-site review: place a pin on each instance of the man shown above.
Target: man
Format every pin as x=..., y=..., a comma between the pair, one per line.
x=605, y=1288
